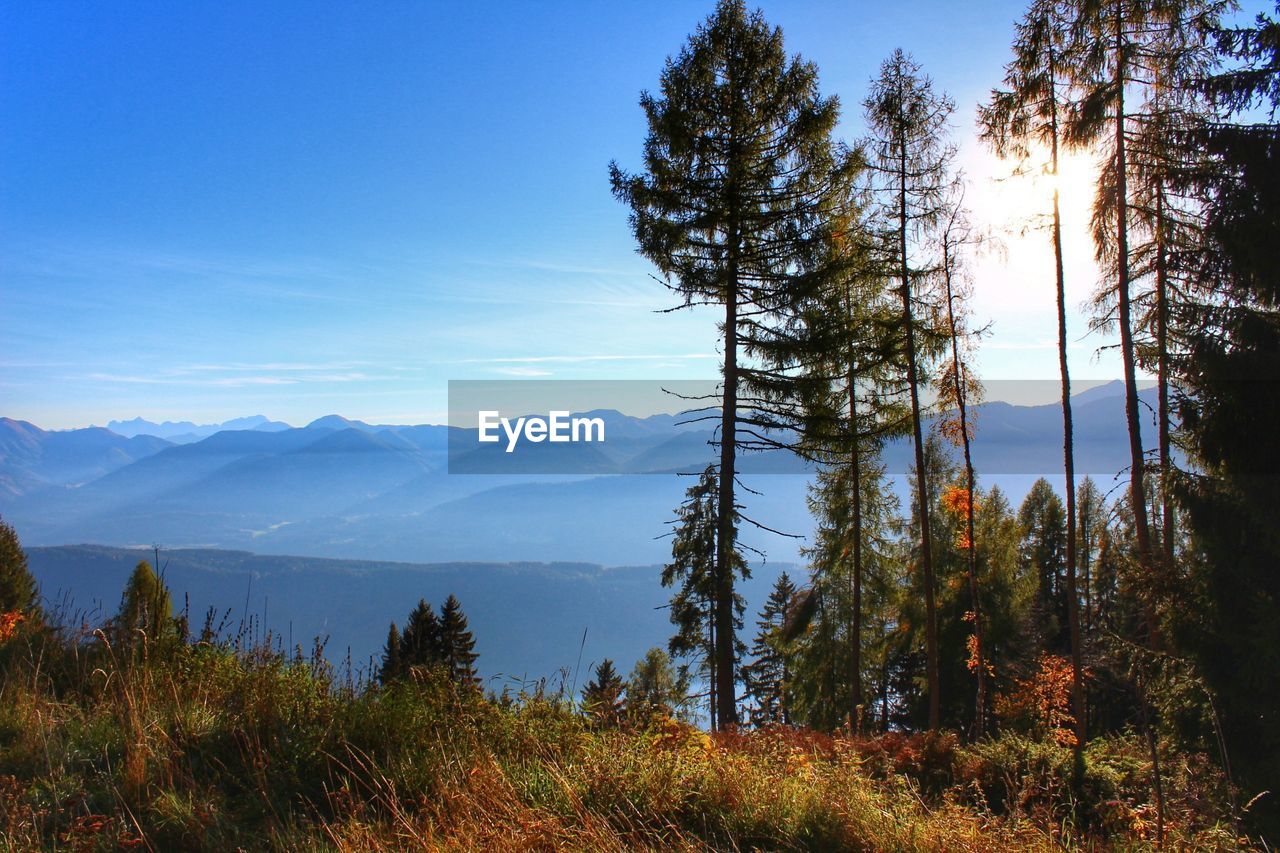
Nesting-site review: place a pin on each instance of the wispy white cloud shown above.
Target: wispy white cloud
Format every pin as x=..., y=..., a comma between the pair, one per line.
x=202, y=377
x=213, y=382
x=581, y=359
x=268, y=366
x=522, y=371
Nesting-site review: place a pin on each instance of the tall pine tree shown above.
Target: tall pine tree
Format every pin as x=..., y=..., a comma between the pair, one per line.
x=740, y=177
x=912, y=158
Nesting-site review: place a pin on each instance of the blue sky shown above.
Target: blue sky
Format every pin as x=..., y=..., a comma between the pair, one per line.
x=210, y=210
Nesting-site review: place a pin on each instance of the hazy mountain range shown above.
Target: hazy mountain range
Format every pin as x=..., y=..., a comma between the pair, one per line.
x=185, y=432
x=525, y=552
x=342, y=488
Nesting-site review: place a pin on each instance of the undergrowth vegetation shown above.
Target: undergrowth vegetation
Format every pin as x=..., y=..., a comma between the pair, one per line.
x=108, y=744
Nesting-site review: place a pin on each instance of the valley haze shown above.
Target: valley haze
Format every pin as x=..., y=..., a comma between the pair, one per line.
x=291, y=517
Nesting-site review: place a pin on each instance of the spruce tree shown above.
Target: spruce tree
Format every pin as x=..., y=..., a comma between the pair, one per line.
x=456, y=644
x=18, y=591
x=1231, y=409
x=766, y=677
x=392, y=666
x=420, y=642
x=1043, y=556
x=740, y=177
x=692, y=570
x=1091, y=520
x=602, y=699
x=851, y=408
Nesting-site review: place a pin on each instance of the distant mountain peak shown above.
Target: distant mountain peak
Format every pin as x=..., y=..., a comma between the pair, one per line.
x=336, y=422
x=1114, y=388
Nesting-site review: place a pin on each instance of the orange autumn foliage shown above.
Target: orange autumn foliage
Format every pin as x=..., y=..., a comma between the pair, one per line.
x=956, y=501
x=9, y=623
x=1043, y=700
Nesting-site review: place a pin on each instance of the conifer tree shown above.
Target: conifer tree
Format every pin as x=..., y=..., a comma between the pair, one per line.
x=1231, y=408
x=1043, y=556
x=693, y=604
x=1120, y=49
x=392, y=666
x=602, y=699
x=146, y=608
x=912, y=163
x=959, y=390
x=18, y=590
x=740, y=177
x=457, y=646
x=851, y=408
x=1091, y=524
x=1032, y=110
x=766, y=677
x=420, y=642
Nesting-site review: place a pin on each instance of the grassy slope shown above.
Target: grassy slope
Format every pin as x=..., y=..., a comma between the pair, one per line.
x=207, y=747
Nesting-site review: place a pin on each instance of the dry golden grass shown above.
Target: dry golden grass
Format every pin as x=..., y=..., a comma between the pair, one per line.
x=206, y=747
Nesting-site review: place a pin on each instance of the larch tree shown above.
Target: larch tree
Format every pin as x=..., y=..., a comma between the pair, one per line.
x=732, y=208
x=1118, y=49
x=959, y=390
x=1025, y=119
x=911, y=160
x=1123, y=52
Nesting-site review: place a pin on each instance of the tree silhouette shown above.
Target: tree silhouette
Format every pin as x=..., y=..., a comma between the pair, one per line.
x=912, y=161
x=457, y=646
x=602, y=697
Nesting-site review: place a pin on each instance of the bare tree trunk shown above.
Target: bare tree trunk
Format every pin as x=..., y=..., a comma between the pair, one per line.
x=1168, y=527
x=1137, y=480
x=1068, y=450
x=855, y=477
x=922, y=488
x=1137, y=484
x=726, y=705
